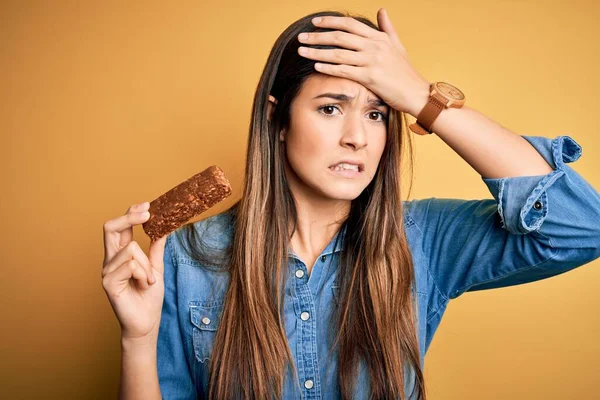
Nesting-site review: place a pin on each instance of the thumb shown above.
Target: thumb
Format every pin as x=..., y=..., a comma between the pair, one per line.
x=386, y=24
x=156, y=254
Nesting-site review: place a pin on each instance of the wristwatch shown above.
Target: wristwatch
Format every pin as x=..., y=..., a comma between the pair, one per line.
x=442, y=95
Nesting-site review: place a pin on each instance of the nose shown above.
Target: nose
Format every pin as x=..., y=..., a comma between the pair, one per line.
x=355, y=133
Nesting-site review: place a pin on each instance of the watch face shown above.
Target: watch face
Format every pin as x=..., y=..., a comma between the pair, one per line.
x=450, y=91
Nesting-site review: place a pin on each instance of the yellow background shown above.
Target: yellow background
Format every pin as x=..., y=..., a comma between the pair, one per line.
x=104, y=105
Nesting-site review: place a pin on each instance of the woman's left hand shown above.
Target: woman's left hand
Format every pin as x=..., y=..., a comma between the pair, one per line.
x=375, y=59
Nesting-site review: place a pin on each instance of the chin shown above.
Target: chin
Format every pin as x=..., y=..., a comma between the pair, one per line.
x=340, y=193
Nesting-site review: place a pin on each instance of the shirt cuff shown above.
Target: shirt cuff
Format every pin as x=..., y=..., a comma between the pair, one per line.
x=523, y=201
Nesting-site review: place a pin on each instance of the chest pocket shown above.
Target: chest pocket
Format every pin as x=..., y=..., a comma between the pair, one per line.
x=205, y=317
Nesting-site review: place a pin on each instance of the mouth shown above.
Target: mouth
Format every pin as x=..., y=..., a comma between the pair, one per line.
x=354, y=164
x=347, y=173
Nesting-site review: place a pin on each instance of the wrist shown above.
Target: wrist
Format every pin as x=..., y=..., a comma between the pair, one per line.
x=420, y=99
x=134, y=343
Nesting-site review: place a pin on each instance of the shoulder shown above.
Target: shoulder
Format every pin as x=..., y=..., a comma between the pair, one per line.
x=430, y=210
x=214, y=232
x=216, y=229
x=201, y=279
x=413, y=212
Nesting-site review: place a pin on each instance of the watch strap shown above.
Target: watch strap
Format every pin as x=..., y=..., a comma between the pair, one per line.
x=428, y=114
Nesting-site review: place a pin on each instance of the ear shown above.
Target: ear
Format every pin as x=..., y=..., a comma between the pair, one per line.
x=271, y=107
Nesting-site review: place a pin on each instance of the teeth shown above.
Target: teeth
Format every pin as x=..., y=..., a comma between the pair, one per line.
x=344, y=166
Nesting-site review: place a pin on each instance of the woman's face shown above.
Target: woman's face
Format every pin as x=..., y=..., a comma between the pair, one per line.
x=324, y=131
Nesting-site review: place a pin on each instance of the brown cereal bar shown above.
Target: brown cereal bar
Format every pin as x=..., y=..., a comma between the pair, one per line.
x=185, y=201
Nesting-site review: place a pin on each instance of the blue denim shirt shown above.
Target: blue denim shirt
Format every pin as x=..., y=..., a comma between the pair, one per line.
x=535, y=227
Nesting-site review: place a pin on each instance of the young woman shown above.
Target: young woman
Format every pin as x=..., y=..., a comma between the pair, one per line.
x=320, y=282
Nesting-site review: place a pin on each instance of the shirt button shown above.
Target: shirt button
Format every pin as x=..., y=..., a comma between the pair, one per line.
x=537, y=205
x=299, y=273
x=308, y=384
x=206, y=320
x=304, y=316
x=323, y=258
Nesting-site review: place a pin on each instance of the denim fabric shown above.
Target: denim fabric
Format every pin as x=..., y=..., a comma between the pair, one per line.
x=535, y=227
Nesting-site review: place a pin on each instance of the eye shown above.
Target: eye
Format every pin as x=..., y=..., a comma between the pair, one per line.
x=332, y=107
x=328, y=106
x=383, y=116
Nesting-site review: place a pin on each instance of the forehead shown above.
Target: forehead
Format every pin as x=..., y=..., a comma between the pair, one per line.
x=320, y=83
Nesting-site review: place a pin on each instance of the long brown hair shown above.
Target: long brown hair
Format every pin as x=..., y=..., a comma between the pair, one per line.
x=375, y=320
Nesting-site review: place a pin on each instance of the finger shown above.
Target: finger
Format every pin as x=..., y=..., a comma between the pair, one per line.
x=157, y=253
x=338, y=56
x=126, y=234
x=385, y=23
x=348, y=24
x=336, y=38
x=116, y=225
x=343, y=71
x=131, y=251
x=119, y=231
x=115, y=282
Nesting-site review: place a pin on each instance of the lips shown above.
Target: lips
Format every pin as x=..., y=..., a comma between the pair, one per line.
x=361, y=166
x=346, y=173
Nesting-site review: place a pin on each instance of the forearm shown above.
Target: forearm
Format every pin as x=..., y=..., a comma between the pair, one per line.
x=139, y=376
x=492, y=150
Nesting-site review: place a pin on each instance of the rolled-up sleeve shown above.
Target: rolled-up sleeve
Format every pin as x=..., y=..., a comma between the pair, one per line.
x=561, y=206
x=534, y=228
x=173, y=369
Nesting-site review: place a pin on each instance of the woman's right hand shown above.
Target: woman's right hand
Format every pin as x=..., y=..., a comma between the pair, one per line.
x=132, y=281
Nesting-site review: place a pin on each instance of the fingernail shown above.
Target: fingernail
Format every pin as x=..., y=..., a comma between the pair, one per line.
x=316, y=20
x=145, y=214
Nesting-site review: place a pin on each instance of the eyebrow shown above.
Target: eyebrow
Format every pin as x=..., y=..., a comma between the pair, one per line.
x=345, y=99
